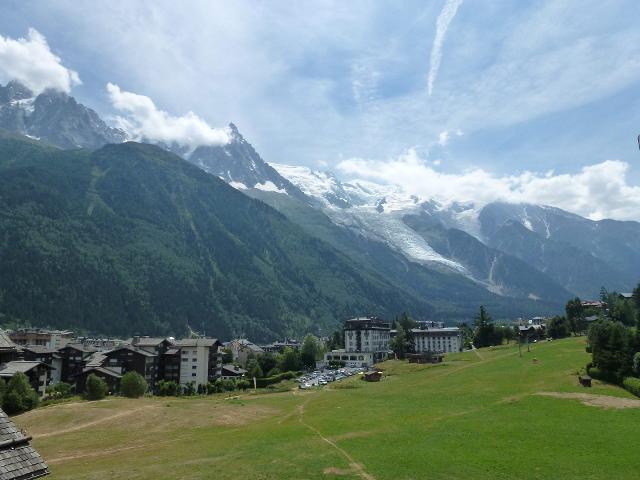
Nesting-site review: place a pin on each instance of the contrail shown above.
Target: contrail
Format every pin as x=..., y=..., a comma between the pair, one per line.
x=444, y=19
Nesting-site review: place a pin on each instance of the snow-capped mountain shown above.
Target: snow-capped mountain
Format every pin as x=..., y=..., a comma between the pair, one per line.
x=506, y=247
x=521, y=251
x=238, y=164
x=54, y=117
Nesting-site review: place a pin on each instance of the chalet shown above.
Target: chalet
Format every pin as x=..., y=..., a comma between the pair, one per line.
x=155, y=345
x=169, y=367
x=279, y=347
x=111, y=378
x=130, y=359
x=625, y=296
x=594, y=304
x=242, y=349
x=74, y=360
x=425, y=357
x=38, y=373
x=200, y=361
x=45, y=355
x=532, y=332
x=373, y=376
x=8, y=349
x=18, y=459
x=438, y=340
x=232, y=372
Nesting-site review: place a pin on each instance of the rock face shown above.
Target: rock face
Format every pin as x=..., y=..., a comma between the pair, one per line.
x=54, y=117
x=238, y=164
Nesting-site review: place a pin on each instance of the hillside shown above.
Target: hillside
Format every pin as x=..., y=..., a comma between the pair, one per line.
x=478, y=416
x=132, y=239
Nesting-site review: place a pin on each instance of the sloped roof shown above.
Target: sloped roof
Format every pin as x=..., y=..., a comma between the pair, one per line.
x=11, y=368
x=18, y=459
x=96, y=359
x=233, y=369
x=80, y=347
x=5, y=341
x=103, y=370
x=39, y=349
x=246, y=343
x=140, y=351
x=148, y=341
x=197, y=342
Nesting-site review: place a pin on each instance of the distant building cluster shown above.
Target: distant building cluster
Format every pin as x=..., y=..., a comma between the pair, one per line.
x=367, y=341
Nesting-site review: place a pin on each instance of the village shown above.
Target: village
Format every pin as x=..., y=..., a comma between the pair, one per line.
x=48, y=357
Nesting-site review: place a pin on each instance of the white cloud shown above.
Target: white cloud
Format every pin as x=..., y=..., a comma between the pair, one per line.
x=596, y=191
x=442, y=24
x=144, y=120
x=31, y=62
x=445, y=136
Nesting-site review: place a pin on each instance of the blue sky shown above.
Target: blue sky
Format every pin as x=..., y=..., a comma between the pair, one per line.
x=521, y=86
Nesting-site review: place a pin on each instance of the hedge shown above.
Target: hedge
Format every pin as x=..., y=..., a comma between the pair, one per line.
x=263, y=382
x=632, y=384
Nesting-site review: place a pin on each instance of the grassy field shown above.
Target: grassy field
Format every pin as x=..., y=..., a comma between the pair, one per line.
x=477, y=416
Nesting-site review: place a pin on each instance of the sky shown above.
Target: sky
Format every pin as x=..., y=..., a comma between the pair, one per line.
x=458, y=99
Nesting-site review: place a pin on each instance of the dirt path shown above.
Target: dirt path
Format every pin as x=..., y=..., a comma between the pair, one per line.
x=103, y=452
x=357, y=468
x=592, y=400
x=475, y=350
x=95, y=422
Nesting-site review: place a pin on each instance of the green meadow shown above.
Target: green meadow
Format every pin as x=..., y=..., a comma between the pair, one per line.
x=478, y=415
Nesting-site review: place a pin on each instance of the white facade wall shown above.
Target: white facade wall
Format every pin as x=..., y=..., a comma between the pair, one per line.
x=371, y=340
x=194, y=365
x=445, y=340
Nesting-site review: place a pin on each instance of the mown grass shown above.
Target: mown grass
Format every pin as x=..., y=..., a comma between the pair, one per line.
x=474, y=417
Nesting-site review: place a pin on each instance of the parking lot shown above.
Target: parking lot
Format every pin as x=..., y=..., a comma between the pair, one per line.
x=319, y=378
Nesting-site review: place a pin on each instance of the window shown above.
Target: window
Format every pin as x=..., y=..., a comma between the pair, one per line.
x=185, y=359
x=193, y=374
x=194, y=367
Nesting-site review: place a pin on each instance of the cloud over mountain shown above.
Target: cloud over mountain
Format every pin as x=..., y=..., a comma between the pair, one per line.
x=31, y=62
x=596, y=191
x=142, y=119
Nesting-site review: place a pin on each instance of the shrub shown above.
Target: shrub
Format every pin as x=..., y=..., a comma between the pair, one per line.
x=96, y=387
x=632, y=384
x=133, y=385
x=263, y=382
x=188, y=389
x=168, y=389
x=59, y=390
x=595, y=372
x=19, y=395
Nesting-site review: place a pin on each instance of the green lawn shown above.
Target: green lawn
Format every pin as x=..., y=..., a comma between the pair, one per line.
x=471, y=418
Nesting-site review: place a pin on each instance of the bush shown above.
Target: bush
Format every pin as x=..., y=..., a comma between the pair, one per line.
x=168, y=389
x=133, y=385
x=59, y=390
x=263, y=382
x=188, y=389
x=96, y=387
x=19, y=395
x=595, y=372
x=632, y=384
